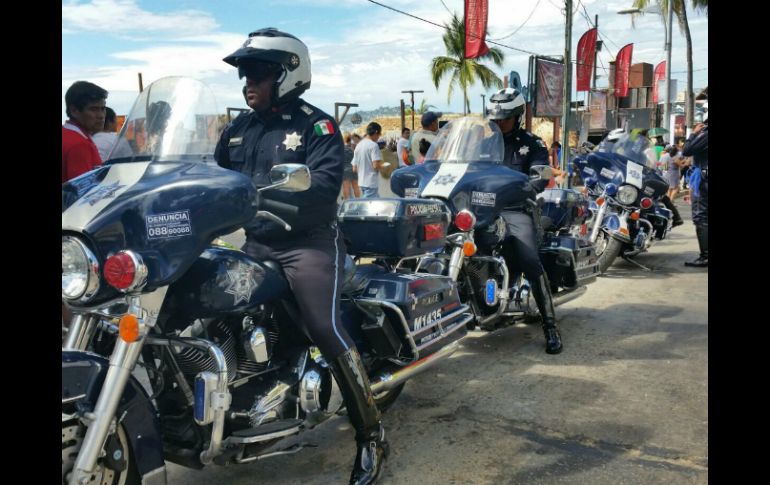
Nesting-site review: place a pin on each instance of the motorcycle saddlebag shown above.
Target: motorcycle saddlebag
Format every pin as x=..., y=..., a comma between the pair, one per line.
x=393, y=227
x=406, y=308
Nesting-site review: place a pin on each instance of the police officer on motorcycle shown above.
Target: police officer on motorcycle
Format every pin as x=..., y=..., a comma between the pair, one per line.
x=282, y=128
x=520, y=249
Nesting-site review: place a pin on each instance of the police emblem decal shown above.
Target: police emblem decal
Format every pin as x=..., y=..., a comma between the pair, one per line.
x=445, y=179
x=293, y=140
x=294, y=61
x=103, y=192
x=241, y=283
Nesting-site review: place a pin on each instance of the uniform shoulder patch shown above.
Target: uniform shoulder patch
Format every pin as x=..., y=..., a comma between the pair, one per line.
x=540, y=142
x=323, y=127
x=306, y=109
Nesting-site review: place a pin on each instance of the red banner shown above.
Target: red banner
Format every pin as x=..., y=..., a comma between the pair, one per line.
x=476, y=13
x=660, y=73
x=622, y=70
x=586, y=50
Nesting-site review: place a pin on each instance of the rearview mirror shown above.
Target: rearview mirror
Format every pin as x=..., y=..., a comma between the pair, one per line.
x=290, y=177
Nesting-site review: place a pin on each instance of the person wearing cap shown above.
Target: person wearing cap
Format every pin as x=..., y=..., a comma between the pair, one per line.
x=523, y=150
x=429, y=132
x=367, y=161
x=697, y=147
x=283, y=128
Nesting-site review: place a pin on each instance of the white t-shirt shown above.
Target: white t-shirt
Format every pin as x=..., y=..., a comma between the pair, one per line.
x=367, y=152
x=104, y=142
x=400, y=147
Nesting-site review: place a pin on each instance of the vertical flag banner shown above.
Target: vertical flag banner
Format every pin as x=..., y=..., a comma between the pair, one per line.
x=622, y=70
x=476, y=13
x=549, y=96
x=660, y=73
x=586, y=50
x=598, y=109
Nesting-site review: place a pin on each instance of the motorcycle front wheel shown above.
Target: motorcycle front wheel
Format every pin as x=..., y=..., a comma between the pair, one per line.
x=611, y=251
x=105, y=473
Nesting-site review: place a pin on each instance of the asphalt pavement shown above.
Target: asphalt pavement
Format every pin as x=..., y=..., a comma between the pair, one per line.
x=624, y=403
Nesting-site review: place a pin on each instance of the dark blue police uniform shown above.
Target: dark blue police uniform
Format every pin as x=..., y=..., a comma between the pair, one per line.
x=523, y=150
x=297, y=133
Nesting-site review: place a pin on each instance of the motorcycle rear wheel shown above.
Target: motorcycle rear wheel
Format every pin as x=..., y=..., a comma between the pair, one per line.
x=386, y=399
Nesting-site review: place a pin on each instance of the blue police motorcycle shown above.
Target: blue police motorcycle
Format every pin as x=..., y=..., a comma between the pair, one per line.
x=627, y=212
x=184, y=349
x=463, y=170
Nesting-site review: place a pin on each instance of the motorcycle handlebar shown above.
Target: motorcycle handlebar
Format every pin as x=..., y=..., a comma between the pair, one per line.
x=280, y=207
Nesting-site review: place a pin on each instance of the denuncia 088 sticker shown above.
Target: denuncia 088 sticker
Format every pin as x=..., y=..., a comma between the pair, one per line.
x=170, y=224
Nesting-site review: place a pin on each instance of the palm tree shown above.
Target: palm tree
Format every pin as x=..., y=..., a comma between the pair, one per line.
x=680, y=10
x=464, y=72
x=424, y=106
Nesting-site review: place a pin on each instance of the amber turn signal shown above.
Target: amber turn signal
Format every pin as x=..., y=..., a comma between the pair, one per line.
x=129, y=328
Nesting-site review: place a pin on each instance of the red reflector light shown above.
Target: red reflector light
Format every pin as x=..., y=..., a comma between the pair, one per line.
x=465, y=220
x=646, y=203
x=433, y=231
x=120, y=271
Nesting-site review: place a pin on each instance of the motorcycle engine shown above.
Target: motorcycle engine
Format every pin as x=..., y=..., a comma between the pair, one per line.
x=234, y=345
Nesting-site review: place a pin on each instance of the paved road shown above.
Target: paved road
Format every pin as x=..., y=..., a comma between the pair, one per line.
x=625, y=403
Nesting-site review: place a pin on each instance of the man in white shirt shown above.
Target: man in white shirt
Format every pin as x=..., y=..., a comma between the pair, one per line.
x=367, y=161
x=401, y=148
x=105, y=140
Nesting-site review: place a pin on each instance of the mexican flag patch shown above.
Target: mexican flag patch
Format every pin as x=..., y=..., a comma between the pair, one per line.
x=323, y=127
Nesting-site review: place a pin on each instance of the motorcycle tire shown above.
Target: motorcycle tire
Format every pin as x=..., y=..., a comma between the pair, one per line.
x=386, y=399
x=72, y=434
x=614, y=247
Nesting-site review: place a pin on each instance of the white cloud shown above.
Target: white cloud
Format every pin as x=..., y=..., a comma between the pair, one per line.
x=380, y=54
x=125, y=16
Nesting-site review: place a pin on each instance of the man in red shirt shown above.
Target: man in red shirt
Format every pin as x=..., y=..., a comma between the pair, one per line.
x=86, y=103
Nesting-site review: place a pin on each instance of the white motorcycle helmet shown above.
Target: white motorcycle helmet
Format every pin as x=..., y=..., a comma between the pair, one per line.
x=270, y=49
x=506, y=103
x=615, y=134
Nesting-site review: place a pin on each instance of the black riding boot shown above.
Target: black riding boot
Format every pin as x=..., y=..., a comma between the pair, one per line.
x=542, y=292
x=703, y=242
x=672, y=207
x=364, y=416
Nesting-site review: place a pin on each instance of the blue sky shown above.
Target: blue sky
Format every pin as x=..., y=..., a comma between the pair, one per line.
x=360, y=52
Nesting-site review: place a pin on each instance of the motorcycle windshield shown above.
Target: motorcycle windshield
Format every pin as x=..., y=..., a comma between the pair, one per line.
x=175, y=118
x=467, y=140
x=633, y=146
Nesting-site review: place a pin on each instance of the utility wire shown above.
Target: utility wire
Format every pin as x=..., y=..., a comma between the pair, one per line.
x=445, y=28
x=522, y=25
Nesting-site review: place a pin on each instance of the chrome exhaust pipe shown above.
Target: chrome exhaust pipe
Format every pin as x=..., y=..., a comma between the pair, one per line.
x=569, y=296
x=387, y=381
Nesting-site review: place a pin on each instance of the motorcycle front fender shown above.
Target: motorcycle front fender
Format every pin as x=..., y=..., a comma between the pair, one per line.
x=612, y=224
x=82, y=376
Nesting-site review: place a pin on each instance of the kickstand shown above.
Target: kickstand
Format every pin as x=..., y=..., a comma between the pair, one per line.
x=645, y=268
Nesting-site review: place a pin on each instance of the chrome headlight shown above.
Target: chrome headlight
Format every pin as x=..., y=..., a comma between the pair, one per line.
x=79, y=270
x=627, y=194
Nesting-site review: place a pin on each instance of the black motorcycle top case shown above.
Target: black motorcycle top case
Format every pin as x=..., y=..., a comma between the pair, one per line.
x=393, y=227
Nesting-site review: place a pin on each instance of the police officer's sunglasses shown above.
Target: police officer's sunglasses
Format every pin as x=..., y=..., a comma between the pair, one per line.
x=257, y=71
